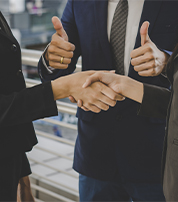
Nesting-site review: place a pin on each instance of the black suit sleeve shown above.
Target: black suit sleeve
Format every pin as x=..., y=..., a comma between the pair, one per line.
x=155, y=101
x=27, y=105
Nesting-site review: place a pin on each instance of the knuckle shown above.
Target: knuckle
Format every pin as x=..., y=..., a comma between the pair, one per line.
x=148, y=57
x=65, y=66
x=136, y=68
x=50, y=63
x=71, y=54
x=148, y=48
x=68, y=47
x=153, y=64
x=151, y=56
x=50, y=56
x=133, y=62
x=69, y=61
x=153, y=72
x=114, y=96
x=51, y=49
x=53, y=42
x=132, y=54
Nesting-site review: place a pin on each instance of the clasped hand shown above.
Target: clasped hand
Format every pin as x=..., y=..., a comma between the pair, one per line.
x=95, y=97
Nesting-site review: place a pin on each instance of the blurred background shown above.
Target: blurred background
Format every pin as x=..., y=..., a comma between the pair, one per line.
x=53, y=178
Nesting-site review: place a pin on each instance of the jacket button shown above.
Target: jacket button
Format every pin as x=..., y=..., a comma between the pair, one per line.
x=14, y=48
x=119, y=117
x=19, y=72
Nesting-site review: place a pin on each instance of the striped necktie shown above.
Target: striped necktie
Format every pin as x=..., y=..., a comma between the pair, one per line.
x=117, y=37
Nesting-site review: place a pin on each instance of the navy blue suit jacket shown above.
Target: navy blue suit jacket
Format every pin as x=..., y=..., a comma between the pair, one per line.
x=117, y=142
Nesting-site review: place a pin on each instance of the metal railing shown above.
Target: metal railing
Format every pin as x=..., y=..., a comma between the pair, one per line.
x=31, y=58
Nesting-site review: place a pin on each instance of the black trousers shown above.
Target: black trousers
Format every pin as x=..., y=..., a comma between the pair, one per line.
x=12, y=169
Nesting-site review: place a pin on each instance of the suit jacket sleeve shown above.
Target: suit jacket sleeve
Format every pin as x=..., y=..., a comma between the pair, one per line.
x=27, y=105
x=155, y=101
x=69, y=25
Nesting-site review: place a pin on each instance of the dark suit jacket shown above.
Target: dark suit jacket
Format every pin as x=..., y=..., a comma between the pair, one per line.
x=117, y=142
x=18, y=106
x=159, y=102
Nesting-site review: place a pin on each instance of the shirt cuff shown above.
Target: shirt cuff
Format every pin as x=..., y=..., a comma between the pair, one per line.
x=48, y=68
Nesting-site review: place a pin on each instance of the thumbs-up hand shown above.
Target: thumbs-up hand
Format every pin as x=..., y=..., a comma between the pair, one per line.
x=60, y=51
x=148, y=60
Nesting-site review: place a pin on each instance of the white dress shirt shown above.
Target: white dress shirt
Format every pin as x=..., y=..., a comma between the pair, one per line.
x=134, y=13
x=135, y=8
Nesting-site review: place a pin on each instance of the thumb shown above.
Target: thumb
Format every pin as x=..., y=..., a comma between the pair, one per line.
x=144, y=33
x=59, y=28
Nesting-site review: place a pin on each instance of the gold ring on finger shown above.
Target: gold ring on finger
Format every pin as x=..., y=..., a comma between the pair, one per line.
x=62, y=59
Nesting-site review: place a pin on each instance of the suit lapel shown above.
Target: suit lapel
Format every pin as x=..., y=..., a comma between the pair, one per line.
x=101, y=11
x=150, y=12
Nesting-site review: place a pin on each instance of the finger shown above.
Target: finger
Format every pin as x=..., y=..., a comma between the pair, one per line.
x=108, y=92
x=53, y=49
x=56, y=58
x=144, y=33
x=72, y=99
x=93, y=78
x=145, y=49
x=106, y=100
x=100, y=105
x=147, y=57
x=120, y=97
x=85, y=109
x=137, y=52
x=145, y=66
x=149, y=72
x=59, y=28
x=80, y=103
x=92, y=108
x=60, y=43
x=58, y=65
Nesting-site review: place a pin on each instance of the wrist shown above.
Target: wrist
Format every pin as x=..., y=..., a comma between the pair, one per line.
x=132, y=89
x=124, y=85
x=61, y=87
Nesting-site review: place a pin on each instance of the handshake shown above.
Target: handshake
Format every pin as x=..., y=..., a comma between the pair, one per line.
x=97, y=90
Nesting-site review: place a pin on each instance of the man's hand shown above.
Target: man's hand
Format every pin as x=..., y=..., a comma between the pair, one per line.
x=148, y=60
x=95, y=97
x=123, y=85
x=113, y=81
x=60, y=51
